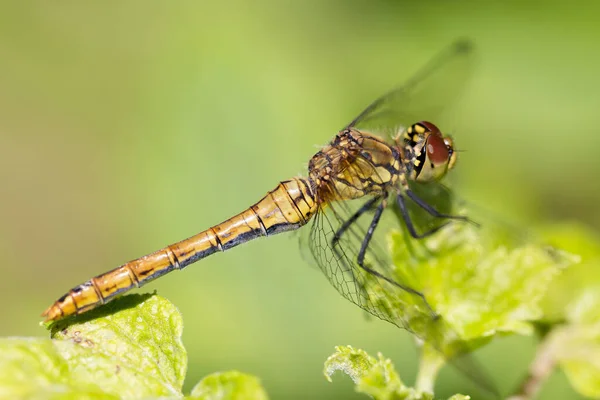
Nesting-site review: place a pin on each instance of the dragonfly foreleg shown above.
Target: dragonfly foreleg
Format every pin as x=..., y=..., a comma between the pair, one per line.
x=409, y=224
x=431, y=210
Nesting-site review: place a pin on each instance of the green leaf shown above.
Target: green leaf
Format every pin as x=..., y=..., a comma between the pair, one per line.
x=576, y=348
x=575, y=298
x=134, y=353
x=479, y=286
x=374, y=377
x=131, y=349
x=232, y=385
x=33, y=368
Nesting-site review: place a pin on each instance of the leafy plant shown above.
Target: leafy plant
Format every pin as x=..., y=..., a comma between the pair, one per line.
x=130, y=354
x=375, y=377
x=486, y=281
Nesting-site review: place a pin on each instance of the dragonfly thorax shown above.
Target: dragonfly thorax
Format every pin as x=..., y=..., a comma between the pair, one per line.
x=354, y=164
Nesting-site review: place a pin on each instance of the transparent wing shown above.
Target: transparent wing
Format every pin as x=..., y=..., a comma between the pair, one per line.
x=374, y=287
x=425, y=96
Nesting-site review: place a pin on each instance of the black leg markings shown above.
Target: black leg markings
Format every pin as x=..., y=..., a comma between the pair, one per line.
x=431, y=210
x=370, y=231
x=409, y=224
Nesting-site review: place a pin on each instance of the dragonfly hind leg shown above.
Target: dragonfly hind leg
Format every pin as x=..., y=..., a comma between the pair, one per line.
x=363, y=249
x=365, y=207
x=368, y=206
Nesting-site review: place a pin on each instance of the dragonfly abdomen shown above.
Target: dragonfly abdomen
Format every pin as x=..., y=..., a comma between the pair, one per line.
x=289, y=206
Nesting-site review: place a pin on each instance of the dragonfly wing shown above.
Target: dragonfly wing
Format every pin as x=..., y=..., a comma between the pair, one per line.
x=375, y=287
x=425, y=96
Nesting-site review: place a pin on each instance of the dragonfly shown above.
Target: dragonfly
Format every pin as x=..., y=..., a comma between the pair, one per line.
x=351, y=183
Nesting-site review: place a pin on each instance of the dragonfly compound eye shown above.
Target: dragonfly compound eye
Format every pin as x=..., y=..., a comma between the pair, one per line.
x=439, y=154
x=437, y=151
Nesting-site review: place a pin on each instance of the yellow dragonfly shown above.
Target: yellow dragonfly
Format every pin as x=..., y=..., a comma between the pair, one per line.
x=357, y=165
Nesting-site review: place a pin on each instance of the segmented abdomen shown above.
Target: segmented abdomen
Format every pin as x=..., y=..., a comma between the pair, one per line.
x=289, y=206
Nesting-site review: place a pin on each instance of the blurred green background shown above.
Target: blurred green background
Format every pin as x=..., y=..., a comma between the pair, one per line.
x=126, y=126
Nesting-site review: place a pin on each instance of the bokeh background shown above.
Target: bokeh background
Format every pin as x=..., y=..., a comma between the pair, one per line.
x=126, y=126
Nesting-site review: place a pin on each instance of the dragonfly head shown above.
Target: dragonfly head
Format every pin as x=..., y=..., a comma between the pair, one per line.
x=434, y=154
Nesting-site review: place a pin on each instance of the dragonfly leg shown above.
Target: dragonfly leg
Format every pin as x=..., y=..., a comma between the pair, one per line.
x=409, y=224
x=431, y=210
x=363, y=249
x=370, y=231
x=344, y=227
x=366, y=207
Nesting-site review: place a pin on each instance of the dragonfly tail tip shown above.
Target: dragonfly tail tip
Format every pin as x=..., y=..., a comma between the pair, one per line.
x=51, y=314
